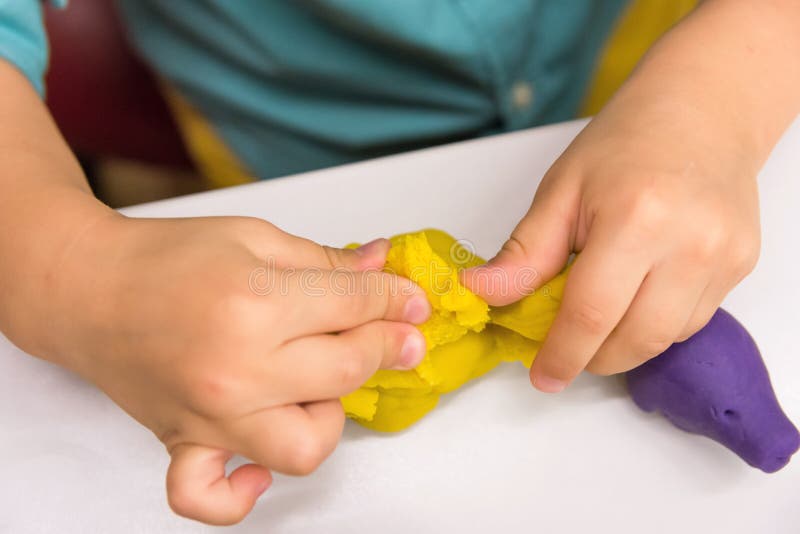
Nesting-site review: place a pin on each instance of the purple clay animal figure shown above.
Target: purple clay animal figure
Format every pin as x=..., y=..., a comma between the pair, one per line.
x=716, y=384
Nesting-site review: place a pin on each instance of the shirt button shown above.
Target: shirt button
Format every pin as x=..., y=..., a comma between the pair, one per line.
x=521, y=95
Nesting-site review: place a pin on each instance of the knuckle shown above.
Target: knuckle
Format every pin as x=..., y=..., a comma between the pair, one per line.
x=588, y=318
x=707, y=245
x=333, y=256
x=390, y=293
x=213, y=393
x=648, y=208
x=650, y=348
x=746, y=253
x=340, y=258
x=369, y=300
x=686, y=334
x=235, y=514
x=343, y=283
x=353, y=369
x=212, y=378
x=181, y=500
x=306, y=455
x=236, y=320
x=212, y=388
x=357, y=305
x=515, y=246
x=388, y=343
x=696, y=324
x=250, y=226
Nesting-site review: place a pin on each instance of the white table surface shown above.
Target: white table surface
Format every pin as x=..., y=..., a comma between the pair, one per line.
x=494, y=456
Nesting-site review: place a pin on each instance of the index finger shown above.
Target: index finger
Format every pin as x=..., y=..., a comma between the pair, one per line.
x=601, y=285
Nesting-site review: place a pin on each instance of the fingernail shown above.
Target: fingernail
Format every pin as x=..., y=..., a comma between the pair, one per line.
x=417, y=310
x=368, y=248
x=412, y=352
x=547, y=384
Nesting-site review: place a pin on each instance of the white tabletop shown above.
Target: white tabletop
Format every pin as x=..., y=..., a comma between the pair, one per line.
x=495, y=455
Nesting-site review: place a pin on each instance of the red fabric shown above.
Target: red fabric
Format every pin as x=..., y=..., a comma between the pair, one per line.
x=104, y=100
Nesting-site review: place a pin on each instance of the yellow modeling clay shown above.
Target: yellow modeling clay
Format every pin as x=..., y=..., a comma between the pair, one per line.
x=466, y=337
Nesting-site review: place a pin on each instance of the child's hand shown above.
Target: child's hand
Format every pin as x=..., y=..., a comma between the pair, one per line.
x=664, y=212
x=658, y=193
x=176, y=321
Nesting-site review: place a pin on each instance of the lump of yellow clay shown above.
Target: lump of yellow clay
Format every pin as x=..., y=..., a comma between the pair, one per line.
x=465, y=337
x=427, y=258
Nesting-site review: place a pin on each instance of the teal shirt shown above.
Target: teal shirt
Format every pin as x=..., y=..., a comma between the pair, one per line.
x=22, y=38
x=297, y=85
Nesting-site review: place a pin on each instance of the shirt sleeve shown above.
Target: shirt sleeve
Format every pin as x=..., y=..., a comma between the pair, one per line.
x=23, y=41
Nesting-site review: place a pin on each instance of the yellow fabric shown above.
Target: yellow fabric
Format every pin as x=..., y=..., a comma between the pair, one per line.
x=213, y=158
x=466, y=337
x=643, y=22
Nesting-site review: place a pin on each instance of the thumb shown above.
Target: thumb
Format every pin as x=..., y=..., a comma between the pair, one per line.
x=536, y=251
x=306, y=253
x=370, y=255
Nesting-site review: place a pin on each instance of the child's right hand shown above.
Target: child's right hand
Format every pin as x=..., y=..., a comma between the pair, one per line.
x=172, y=319
x=167, y=317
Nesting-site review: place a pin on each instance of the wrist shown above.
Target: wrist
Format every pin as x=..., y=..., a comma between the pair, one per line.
x=83, y=295
x=685, y=126
x=51, y=271
x=733, y=65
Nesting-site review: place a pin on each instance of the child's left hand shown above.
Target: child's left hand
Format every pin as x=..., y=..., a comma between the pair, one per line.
x=664, y=213
x=658, y=193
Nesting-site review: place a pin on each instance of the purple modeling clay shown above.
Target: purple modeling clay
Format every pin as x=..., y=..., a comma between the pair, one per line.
x=715, y=384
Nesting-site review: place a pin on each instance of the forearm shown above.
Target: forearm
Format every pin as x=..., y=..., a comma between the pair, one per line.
x=45, y=205
x=732, y=63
